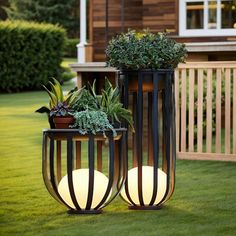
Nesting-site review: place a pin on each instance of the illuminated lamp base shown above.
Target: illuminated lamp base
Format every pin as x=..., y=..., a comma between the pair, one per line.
x=81, y=187
x=147, y=187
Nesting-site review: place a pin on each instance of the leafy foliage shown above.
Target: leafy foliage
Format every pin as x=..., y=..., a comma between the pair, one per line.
x=59, y=104
x=93, y=113
x=90, y=121
x=62, y=12
x=86, y=101
x=108, y=102
x=144, y=50
x=30, y=53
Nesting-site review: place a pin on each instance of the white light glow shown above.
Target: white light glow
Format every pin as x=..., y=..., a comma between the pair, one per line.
x=147, y=185
x=81, y=185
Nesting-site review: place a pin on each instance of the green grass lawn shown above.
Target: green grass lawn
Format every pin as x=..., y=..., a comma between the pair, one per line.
x=204, y=202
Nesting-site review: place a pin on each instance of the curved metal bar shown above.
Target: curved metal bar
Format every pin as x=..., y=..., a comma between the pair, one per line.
x=126, y=105
x=167, y=125
x=139, y=136
x=50, y=184
x=91, y=172
x=172, y=138
x=155, y=138
x=150, y=128
x=123, y=168
x=70, y=173
x=111, y=170
x=45, y=165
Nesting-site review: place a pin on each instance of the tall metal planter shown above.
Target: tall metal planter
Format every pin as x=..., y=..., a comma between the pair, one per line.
x=84, y=181
x=151, y=176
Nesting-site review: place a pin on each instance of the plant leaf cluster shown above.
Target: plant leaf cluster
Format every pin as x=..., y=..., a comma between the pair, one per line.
x=144, y=50
x=59, y=104
x=92, y=121
x=108, y=102
x=92, y=112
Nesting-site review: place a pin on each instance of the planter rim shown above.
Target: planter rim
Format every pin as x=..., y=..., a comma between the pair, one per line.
x=75, y=131
x=146, y=70
x=67, y=116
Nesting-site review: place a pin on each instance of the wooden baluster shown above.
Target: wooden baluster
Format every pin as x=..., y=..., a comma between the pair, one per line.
x=183, y=110
x=209, y=112
x=218, y=111
x=200, y=110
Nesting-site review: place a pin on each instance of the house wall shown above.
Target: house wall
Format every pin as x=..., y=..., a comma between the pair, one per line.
x=160, y=15
x=132, y=15
x=157, y=15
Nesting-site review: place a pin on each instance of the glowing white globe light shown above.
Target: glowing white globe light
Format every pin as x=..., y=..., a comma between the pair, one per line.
x=81, y=186
x=147, y=185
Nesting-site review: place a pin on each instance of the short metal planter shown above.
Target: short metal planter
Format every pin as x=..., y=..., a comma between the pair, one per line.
x=151, y=176
x=84, y=181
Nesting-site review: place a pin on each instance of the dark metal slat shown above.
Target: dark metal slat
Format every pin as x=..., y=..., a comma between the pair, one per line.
x=58, y=160
x=99, y=155
x=139, y=136
x=111, y=170
x=78, y=154
x=91, y=172
x=155, y=138
x=69, y=172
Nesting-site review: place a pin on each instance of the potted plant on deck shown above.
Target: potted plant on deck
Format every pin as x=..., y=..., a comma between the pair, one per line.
x=146, y=62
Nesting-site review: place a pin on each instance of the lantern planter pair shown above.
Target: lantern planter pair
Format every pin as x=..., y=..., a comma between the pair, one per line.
x=148, y=181
x=83, y=182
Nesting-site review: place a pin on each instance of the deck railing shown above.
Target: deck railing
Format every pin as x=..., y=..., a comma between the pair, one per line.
x=206, y=110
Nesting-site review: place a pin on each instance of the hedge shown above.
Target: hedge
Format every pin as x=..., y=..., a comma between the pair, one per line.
x=71, y=48
x=30, y=53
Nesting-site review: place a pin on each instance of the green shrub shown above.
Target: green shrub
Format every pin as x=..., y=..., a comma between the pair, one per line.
x=30, y=53
x=144, y=50
x=70, y=49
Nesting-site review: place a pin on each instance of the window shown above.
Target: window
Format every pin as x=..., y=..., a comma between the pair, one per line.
x=207, y=17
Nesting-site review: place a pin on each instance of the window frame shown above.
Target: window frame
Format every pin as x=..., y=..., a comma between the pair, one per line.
x=183, y=31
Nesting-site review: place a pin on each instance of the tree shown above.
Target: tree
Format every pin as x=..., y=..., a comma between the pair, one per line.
x=62, y=12
x=3, y=4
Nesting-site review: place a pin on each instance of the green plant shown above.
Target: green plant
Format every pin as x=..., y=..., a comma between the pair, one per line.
x=63, y=13
x=144, y=50
x=59, y=104
x=108, y=102
x=92, y=121
x=93, y=113
x=30, y=53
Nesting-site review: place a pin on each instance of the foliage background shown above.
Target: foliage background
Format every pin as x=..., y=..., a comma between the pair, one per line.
x=30, y=53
